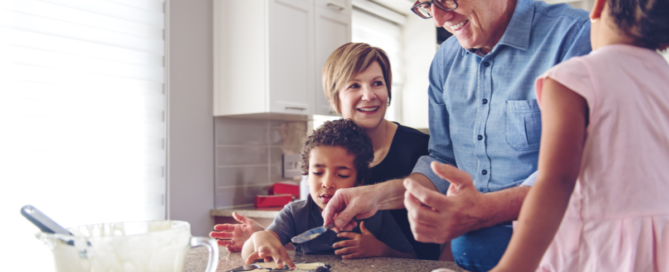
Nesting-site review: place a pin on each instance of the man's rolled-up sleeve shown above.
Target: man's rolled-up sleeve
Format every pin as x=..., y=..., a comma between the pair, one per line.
x=423, y=167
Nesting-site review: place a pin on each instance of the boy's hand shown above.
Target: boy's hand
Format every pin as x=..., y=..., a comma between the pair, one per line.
x=266, y=245
x=361, y=245
x=233, y=236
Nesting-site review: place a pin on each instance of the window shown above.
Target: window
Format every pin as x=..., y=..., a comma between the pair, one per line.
x=82, y=117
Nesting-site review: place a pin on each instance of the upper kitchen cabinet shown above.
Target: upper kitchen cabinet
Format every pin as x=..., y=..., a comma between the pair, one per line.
x=263, y=57
x=268, y=54
x=333, y=29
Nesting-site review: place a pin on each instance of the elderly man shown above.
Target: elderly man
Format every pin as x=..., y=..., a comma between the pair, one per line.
x=485, y=125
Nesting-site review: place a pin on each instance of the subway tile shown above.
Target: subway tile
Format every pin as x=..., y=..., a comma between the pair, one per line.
x=234, y=196
x=276, y=174
x=287, y=132
x=242, y=176
x=276, y=153
x=249, y=156
x=238, y=131
x=241, y=155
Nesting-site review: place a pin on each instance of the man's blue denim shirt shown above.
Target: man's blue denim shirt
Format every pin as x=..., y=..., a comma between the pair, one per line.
x=484, y=117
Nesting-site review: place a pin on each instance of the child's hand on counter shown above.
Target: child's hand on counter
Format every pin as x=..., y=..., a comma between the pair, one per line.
x=266, y=245
x=233, y=236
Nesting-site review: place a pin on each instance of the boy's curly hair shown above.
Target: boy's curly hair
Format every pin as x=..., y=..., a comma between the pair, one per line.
x=344, y=133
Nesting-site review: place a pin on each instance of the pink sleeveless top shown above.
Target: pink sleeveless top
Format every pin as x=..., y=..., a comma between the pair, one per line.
x=618, y=214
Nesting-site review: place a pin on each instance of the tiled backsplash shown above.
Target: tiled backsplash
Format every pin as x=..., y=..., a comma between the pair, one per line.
x=249, y=154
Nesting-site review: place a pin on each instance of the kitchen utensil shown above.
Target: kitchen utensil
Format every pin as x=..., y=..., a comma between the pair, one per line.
x=43, y=222
x=246, y=267
x=311, y=234
x=153, y=246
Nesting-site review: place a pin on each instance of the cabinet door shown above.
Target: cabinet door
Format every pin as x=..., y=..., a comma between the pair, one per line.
x=291, y=77
x=333, y=29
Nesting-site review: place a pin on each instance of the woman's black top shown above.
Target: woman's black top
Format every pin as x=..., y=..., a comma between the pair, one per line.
x=407, y=146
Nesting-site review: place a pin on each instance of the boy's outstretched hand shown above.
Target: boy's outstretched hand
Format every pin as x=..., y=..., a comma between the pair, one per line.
x=361, y=245
x=233, y=236
x=265, y=245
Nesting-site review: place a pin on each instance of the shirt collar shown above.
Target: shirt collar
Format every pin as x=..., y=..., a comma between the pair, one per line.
x=517, y=33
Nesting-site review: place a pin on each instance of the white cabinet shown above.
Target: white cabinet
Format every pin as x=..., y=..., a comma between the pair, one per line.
x=333, y=29
x=263, y=54
x=290, y=56
x=268, y=54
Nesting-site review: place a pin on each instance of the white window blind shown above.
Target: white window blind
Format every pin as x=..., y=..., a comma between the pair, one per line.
x=378, y=32
x=82, y=117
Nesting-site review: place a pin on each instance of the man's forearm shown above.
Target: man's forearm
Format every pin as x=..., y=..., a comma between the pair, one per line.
x=392, y=191
x=503, y=206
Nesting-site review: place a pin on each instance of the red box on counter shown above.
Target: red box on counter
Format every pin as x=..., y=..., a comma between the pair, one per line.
x=285, y=188
x=273, y=200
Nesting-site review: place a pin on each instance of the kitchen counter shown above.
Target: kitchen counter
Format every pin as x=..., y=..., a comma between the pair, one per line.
x=252, y=212
x=196, y=261
x=264, y=216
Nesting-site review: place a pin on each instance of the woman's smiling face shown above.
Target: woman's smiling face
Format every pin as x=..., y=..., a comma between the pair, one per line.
x=330, y=169
x=364, y=98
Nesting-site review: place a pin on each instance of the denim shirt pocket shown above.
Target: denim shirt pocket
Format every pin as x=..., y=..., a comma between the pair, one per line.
x=523, y=124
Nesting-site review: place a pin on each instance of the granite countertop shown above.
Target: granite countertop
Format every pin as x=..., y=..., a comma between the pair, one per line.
x=252, y=212
x=196, y=261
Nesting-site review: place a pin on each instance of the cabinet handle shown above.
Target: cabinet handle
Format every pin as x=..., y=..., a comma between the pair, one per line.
x=295, y=108
x=335, y=7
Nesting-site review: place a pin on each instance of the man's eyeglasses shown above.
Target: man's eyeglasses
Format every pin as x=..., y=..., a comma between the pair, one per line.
x=422, y=9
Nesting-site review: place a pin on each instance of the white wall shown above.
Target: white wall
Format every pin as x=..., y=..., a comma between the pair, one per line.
x=420, y=45
x=190, y=121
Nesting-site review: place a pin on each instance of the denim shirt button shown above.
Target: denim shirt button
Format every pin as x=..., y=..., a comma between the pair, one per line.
x=484, y=172
x=485, y=101
x=486, y=64
x=480, y=137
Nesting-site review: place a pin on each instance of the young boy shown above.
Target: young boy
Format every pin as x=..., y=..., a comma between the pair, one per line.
x=337, y=155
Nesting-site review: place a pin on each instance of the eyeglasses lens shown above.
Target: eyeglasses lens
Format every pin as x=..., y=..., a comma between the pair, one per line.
x=423, y=10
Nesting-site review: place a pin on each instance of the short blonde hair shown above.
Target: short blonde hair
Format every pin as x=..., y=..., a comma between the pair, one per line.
x=348, y=60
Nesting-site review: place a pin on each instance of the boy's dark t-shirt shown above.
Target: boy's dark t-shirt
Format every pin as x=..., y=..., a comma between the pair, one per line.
x=302, y=215
x=407, y=147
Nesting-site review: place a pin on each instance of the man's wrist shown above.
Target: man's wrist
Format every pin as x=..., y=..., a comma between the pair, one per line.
x=501, y=206
x=389, y=195
x=487, y=211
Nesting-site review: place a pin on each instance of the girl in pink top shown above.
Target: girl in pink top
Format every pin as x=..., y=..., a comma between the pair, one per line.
x=601, y=200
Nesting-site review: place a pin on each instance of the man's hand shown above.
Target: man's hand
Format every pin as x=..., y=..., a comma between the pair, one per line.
x=436, y=218
x=233, y=236
x=265, y=245
x=349, y=203
x=361, y=245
